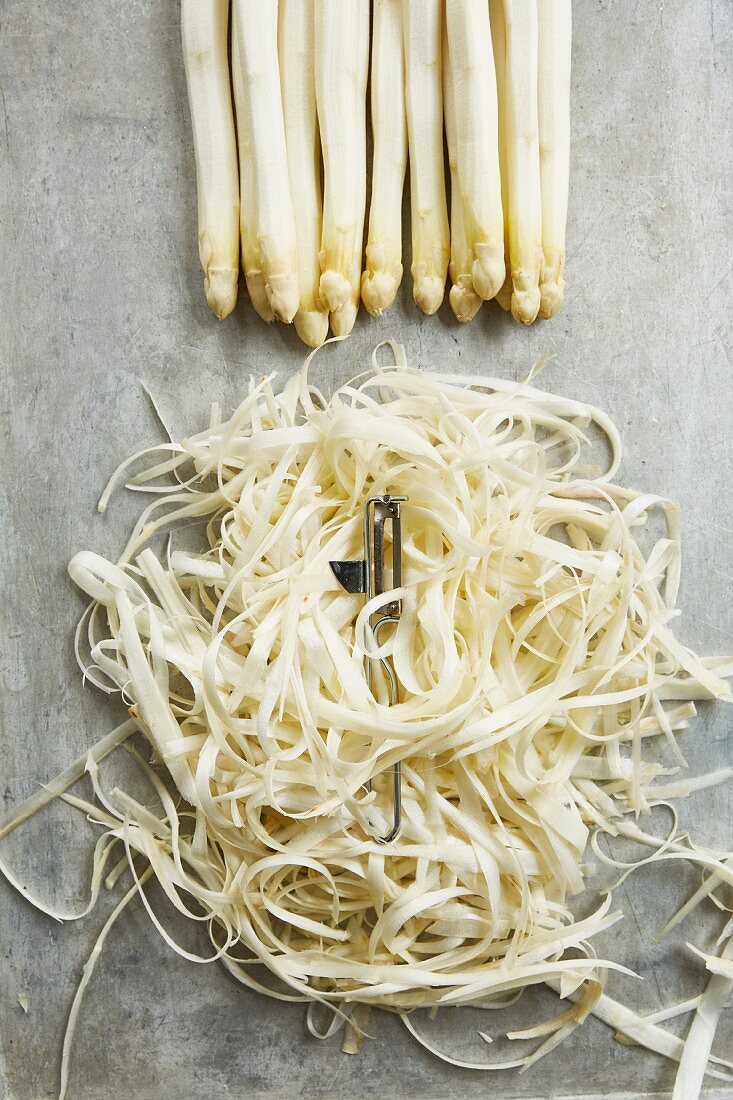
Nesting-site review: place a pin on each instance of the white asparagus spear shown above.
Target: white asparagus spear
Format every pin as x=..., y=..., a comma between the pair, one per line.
x=337, y=33
x=498, y=42
x=464, y=300
x=251, y=263
x=204, y=37
x=553, y=96
x=275, y=220
x=343, y=318
x=383, y=272
x=422, y=22
x=523, y=157
x=477, y=139
x=296, y=47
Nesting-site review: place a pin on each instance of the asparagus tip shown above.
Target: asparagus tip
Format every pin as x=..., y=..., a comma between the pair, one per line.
x=283, y=294
x=334, y=289
x=552, y=296
x=504, y=295
x=378, y=290
x=488, y=271
x=465, y=302
x=342, y=320
x=220, y=287
x=258, y=295
x=311, y=326
x=525, y=298
x=428, y=292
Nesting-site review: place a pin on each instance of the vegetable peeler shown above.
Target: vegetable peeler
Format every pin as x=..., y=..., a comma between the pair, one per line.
x=367, y=576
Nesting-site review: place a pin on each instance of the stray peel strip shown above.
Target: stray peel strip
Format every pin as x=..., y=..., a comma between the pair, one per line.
x=699, y=1041
x=67, y=778
x=89, y=966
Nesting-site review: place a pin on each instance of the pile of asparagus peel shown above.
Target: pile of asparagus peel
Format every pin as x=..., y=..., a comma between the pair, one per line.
x=278, y=95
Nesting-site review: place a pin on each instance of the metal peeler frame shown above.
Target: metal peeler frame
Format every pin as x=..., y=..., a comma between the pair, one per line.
x=368, y=577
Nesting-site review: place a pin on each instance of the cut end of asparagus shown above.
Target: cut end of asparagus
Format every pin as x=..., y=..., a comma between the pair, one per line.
x=311, y=326
x=525, y=298
x=464, y=302
x=220, y=287
x=378, y=290
x=342, y=320
x=258, y=296
x=428, y=292
x=488, y=271
x=283, y=294
x=334, y=289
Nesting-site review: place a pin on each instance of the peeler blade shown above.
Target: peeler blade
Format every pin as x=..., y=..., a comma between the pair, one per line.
x=351, y=575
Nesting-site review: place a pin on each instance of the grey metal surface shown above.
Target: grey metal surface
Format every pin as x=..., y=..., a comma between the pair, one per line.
x=100, y=289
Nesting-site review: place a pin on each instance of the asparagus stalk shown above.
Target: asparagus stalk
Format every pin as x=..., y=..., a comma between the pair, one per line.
x=523, y=157
x=204, y=37
x=422, y=36
x=477, y=139
x=383, y=272
x=464, y=300
x=337, y=33
x=251, y=263
x=344, y=316
x=296, y=49
x=498, y=42
x=274, y=217
x=555, y=33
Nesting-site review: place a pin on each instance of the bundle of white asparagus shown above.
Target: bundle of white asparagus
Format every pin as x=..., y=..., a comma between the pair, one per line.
x=278, y=95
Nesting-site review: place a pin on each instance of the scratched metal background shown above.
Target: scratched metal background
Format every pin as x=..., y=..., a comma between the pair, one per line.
x=100, y=290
